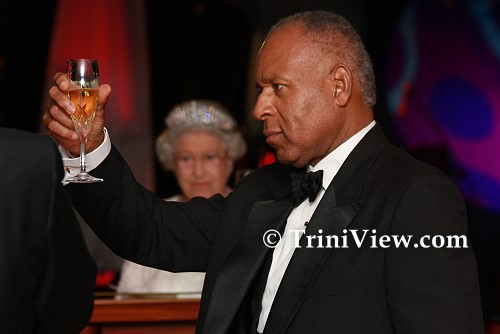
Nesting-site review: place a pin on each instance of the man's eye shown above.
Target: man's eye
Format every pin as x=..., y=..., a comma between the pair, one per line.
x=258, y=89
x=278, y=86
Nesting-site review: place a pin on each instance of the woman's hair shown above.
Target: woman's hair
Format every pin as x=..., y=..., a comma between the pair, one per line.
x=198, y=115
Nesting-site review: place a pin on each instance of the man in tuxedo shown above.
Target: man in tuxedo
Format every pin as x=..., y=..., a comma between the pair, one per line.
x=46, y=273
x=316, y=91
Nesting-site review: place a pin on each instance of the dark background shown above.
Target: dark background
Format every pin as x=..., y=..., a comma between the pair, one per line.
x=200, y=49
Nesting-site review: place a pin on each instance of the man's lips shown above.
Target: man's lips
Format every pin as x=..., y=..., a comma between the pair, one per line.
x=270, y=134
x=272, y=137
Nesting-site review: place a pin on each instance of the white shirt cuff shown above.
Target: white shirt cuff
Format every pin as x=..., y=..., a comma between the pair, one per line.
x=92, y=159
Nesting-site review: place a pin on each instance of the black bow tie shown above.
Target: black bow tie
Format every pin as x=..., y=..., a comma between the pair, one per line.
x=306, y=185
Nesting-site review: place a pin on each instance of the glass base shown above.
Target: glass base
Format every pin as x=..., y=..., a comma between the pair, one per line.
x=82, y=178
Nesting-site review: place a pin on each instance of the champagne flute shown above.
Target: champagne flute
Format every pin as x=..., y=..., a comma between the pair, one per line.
x=84, y=93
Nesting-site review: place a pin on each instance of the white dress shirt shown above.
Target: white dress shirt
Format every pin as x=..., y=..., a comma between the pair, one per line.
x=297, y=219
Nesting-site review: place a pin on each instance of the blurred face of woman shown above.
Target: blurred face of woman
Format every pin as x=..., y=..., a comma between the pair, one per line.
x=202, y=167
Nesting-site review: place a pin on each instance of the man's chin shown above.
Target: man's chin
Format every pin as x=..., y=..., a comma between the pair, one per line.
x=297, y=163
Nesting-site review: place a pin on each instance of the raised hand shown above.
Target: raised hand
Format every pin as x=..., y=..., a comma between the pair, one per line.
x=57, y=120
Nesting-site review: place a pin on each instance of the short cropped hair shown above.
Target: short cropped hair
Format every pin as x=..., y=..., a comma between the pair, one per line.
x=339, y=38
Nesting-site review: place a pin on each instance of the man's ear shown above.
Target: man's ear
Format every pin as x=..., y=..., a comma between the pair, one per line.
x=341, y=83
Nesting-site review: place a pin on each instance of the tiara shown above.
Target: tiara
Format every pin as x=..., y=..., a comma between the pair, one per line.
x=200, y=113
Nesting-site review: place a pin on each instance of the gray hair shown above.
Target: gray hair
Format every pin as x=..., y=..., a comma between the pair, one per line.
x=338, y=37
x=199, y=115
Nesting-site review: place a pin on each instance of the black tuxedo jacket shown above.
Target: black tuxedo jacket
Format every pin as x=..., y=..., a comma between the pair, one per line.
x=47, y=276
x=354, y=289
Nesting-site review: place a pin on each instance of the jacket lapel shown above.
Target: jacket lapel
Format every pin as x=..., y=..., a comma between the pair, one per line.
x=247, y=257
x=306, y=263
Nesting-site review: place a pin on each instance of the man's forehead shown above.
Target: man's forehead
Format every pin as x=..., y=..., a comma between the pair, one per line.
x=288, y=46
x=284, y=42
x=287, y=33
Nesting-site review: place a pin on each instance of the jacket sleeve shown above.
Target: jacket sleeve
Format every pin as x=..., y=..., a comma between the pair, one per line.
x=142, y=227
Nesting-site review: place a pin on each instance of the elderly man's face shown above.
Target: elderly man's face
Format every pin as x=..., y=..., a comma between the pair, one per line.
x=296, y=98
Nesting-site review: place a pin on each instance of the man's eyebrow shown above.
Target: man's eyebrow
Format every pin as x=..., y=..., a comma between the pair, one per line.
x=271, y=78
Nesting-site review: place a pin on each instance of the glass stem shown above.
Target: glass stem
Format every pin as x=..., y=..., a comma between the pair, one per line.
x=83, y=140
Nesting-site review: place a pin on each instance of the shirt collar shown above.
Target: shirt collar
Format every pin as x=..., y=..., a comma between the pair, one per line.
x=334, y=160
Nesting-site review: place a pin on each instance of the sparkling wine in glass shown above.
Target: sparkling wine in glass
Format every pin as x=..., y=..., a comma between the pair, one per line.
x=84, y=93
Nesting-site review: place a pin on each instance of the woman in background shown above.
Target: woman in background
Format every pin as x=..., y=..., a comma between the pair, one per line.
x=200, y=146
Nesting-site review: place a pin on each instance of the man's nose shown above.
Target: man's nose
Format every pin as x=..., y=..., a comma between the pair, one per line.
x=263, y=106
